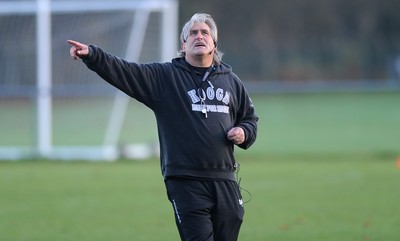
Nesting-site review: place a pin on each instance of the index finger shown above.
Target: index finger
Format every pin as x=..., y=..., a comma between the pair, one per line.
x=75, y=43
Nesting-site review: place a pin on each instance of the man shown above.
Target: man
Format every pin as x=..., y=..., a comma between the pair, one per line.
x=202, y=110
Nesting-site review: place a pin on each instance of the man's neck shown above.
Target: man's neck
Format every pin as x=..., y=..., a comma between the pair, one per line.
x=200, y=61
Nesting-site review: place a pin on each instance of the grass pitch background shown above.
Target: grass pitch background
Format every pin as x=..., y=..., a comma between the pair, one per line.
x=323, y=168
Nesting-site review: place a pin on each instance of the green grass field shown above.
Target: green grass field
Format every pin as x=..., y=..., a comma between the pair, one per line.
x=291, y=200
x=323, y=169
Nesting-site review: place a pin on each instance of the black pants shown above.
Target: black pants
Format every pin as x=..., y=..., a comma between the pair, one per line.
x=206, y=210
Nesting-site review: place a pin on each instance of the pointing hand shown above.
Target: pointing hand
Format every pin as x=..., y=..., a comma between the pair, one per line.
x=78, y=50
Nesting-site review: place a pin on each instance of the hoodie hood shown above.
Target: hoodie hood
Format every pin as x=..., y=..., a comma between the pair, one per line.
x=181, y=63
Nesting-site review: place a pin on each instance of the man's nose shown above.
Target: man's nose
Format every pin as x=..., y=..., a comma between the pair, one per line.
x=199, y=35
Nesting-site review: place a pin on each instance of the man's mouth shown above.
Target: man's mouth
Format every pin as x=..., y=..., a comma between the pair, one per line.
x=199, y=45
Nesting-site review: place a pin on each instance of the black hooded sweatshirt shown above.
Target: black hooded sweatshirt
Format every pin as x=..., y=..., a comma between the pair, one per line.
x=192, y=144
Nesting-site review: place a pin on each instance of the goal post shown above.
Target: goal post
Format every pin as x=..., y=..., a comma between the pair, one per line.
x=137, y=30
x=44, y=70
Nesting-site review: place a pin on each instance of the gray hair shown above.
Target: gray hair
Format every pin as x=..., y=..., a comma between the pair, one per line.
x=201, y=18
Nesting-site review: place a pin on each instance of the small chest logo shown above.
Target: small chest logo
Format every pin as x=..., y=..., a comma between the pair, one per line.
x=241, y=202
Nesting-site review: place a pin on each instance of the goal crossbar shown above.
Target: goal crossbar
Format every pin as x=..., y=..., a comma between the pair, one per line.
x=30, y=7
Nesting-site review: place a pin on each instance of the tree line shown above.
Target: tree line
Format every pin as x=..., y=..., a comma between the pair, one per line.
x=305, y=40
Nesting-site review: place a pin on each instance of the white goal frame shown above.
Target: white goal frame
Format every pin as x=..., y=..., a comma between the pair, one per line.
x=44, y=9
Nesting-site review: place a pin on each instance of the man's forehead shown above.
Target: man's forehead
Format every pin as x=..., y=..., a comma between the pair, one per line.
x=200, y=26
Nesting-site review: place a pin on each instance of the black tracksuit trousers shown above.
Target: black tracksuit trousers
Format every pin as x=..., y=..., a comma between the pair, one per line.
x=206, y=210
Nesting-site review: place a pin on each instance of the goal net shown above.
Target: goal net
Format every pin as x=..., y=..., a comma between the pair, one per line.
x=55, y=108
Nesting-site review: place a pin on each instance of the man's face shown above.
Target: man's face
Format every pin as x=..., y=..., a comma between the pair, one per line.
x=199, y=41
